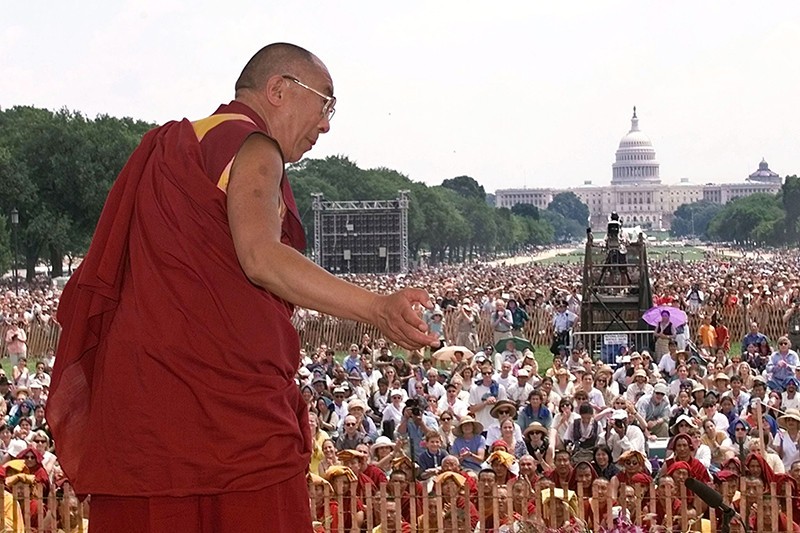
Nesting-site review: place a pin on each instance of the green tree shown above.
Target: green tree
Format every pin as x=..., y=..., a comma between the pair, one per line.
x=790, y=199
x=568, y=205
x=757, y=219
x=693, y=219
x=526, y=210
x=564, y=229
x=466, y=187
x=62, y=166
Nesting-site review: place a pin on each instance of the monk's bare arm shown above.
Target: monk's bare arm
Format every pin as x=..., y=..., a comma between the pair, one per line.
x=253, y=203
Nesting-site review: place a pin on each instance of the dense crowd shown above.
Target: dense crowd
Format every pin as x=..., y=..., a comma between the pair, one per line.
x=485, y=416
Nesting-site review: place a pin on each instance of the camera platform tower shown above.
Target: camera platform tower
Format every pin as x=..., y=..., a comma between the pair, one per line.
x=616, y=285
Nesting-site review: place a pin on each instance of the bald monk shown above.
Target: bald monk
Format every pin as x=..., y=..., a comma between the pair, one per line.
x=173, y=402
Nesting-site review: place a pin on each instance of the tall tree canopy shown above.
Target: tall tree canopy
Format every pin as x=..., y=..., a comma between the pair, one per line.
x=568, y=205
x=693, y=219
x=56, y=168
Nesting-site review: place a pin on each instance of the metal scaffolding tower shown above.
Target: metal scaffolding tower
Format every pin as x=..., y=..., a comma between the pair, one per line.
x=369, y=236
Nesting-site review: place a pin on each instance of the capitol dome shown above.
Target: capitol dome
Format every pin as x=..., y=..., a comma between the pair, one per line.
x=635, y=159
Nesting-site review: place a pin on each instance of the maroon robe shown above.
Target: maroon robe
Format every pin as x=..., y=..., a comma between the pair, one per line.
x=174, y=373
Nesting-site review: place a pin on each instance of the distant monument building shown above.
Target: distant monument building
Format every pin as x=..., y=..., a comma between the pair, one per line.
x=636, y=191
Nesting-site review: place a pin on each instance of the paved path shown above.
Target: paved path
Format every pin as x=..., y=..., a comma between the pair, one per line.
x=522, y=259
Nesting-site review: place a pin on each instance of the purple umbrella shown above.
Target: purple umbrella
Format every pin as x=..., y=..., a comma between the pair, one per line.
x=653, y=315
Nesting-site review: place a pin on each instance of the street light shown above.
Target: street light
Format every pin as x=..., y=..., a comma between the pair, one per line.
x=14, y=225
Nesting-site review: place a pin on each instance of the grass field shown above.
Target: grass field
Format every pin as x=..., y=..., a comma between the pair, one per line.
x=654, y=253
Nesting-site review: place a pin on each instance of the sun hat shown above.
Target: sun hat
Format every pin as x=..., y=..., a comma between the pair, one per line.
x=477, y=426
x=503, y=404
x=355, y=404
x=535, y=427
x=791, y=414
x=382, y=442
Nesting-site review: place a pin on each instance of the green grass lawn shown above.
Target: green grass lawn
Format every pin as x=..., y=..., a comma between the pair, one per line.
x=654, y=253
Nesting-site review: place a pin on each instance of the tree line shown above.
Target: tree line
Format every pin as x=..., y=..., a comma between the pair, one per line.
x=56, y=168
x=758, y=219
x=452, y=221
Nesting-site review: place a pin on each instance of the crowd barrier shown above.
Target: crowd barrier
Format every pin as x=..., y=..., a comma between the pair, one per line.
x=316, y=329
x=35, y=514
x=518, y=508
x=41, y=338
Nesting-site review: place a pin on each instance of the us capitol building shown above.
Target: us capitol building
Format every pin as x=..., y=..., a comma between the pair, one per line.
x=636, y=191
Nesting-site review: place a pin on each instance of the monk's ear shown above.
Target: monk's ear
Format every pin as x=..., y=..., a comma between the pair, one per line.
x=276, y=90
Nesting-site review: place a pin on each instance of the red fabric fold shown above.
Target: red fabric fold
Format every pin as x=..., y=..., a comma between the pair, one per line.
x=174, y=374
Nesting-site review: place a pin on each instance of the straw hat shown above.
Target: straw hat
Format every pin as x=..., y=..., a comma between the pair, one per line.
x=535, y=426
x=793, y=414
x=640, y=374
x=477, y=427
x=501, y=405
x=722, y=375
x=356, y=404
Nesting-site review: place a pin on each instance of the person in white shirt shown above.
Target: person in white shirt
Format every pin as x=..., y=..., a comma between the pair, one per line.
x=787, y=441
x=790, y=399
x=484, y=394
x=596, y=399
x=519, y=392
x=505, y=378
x=434, y=387
x=639, y=387
x=710, y=411
x=621, y=437
x=450, y=402
x=668, y=363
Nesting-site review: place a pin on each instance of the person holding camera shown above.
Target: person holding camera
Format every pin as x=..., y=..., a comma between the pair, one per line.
x=415, y=424
x=16, y=340
x=792, y=320
x=622, y=437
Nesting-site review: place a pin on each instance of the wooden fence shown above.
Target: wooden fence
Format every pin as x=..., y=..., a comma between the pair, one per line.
x=34, y=514
x=317, y=329
x=492, y=507
x=41, y=338
x=338, y=334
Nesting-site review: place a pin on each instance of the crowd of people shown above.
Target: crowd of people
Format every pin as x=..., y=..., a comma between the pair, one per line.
x=483, y=417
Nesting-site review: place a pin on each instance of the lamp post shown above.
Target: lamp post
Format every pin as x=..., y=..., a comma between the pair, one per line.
x=14, y=225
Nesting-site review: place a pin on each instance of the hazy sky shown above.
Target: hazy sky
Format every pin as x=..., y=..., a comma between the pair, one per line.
x=511, y=93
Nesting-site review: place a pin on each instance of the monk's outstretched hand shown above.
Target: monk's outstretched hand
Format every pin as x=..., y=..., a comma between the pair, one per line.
x=397, y=316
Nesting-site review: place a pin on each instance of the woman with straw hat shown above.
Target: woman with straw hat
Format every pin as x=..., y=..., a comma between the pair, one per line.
x=787, y=440
x=470, y=445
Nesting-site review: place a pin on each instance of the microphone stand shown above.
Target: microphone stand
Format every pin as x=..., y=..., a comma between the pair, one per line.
x=729, y=514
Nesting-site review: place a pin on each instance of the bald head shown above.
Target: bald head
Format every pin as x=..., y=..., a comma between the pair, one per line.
x=273, y=59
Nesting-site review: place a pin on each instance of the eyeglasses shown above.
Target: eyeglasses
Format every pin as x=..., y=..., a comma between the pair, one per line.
x=40, y=440
x=740, y=429
x=443, y=419
x=30, y=457
x=631, y=462
x=486, y=373
x=328, y=109
x=783, y=343
x=504, y=412
x=349, y=424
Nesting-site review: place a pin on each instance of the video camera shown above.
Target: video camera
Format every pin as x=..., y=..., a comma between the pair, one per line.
x=413, y=404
